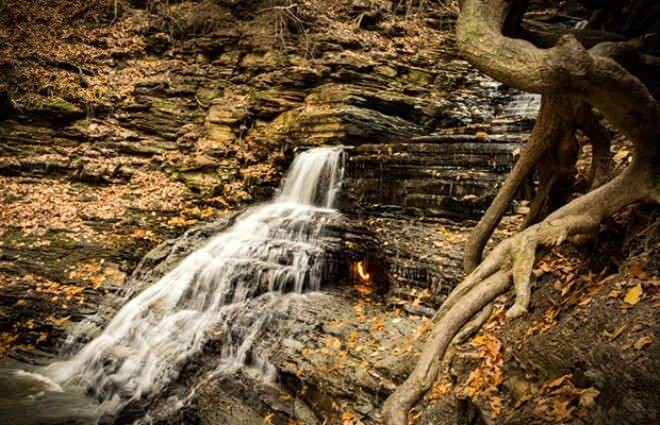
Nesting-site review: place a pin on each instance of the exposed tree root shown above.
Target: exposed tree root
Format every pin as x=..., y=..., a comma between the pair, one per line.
x=554, y=72
x=552, y=140
x=549, y=124
x=558, y=164
x=396, y=407
x=601, y=158
x=567, y=75
x=511, y=261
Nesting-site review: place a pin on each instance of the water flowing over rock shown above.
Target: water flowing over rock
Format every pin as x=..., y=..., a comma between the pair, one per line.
x=271, y=249
x=523, y=104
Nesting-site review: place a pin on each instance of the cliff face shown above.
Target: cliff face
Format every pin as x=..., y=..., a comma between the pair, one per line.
x=124, y=125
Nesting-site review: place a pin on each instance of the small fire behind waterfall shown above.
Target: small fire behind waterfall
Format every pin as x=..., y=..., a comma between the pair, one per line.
x=272, y=248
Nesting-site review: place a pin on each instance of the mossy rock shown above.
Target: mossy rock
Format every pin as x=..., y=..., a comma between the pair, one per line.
x=386, y=71
x=420, y=77
x=56, y=107
x=206, y=94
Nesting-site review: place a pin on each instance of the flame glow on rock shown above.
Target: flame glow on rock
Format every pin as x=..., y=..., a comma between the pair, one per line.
x=361, y=272
x=363, y=281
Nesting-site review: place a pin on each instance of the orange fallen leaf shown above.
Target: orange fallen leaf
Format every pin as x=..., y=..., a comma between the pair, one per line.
x=440, y=388
x=588, y=397
x=634, y=294
x=378, y=326
x=637, y=271
x=643, y=341
x=557, y=382
x=333, y=342
x=585, y=302
x=616, y=332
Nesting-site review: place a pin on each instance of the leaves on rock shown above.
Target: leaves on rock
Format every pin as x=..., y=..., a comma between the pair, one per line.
x=268, y=419
x=560, y=400
x=484, y=380
x=349, y=418
x=440, y=389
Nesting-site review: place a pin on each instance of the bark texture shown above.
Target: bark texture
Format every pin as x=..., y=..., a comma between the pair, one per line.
x=566, y=74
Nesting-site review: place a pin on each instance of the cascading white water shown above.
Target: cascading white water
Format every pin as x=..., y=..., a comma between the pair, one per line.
x=272, y=248
x=523, y=104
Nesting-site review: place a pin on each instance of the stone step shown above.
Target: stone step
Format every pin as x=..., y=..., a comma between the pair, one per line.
x=417, y=163
x=478, y=138
x=497, y=126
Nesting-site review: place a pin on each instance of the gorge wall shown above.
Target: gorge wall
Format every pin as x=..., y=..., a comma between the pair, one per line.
x=122, y=127
x=131, y=134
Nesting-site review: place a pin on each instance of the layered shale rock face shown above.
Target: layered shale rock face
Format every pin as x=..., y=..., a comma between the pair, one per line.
x=203, y=105
x=149, y=121
x=213, y=94
x=452, y=175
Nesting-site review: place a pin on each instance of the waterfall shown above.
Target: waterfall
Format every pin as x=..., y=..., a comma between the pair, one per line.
x=271, y=249
x=523, y=104
x=310, y=184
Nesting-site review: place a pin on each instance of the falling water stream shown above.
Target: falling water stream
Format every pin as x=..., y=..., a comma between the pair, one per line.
x=523, y=104
x=271, y=249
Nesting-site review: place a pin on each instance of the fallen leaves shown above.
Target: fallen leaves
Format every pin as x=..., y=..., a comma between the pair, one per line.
x=378, y=325
x=59, y=322
x=349, y=418
x=180, y=221
x=419, y=297
x=268, y=419
x=560, y=400
x=637, y=271
x=332, y=342
x=581, y=290
x=97, y=273
x=484, y=380
x=52, y=204
x=614, y=335
x=359, y=311
x=547, y=322
x=643, y=341
x=54, y=290
x=440, y=389
x=7, y=339
x=147, y=235
x=622, y=154
x=634, y=295
x=293, y=368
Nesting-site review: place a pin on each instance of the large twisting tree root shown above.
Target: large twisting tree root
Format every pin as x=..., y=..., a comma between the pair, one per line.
x=565, y=74
x=553, y=140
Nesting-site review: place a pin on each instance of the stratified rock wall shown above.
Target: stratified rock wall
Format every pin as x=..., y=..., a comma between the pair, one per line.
x=213, y=95
x=121, y=127
x=120, y=131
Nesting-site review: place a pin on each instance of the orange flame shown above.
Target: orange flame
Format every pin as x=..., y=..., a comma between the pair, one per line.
x=362, y=273
x=363, y=282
